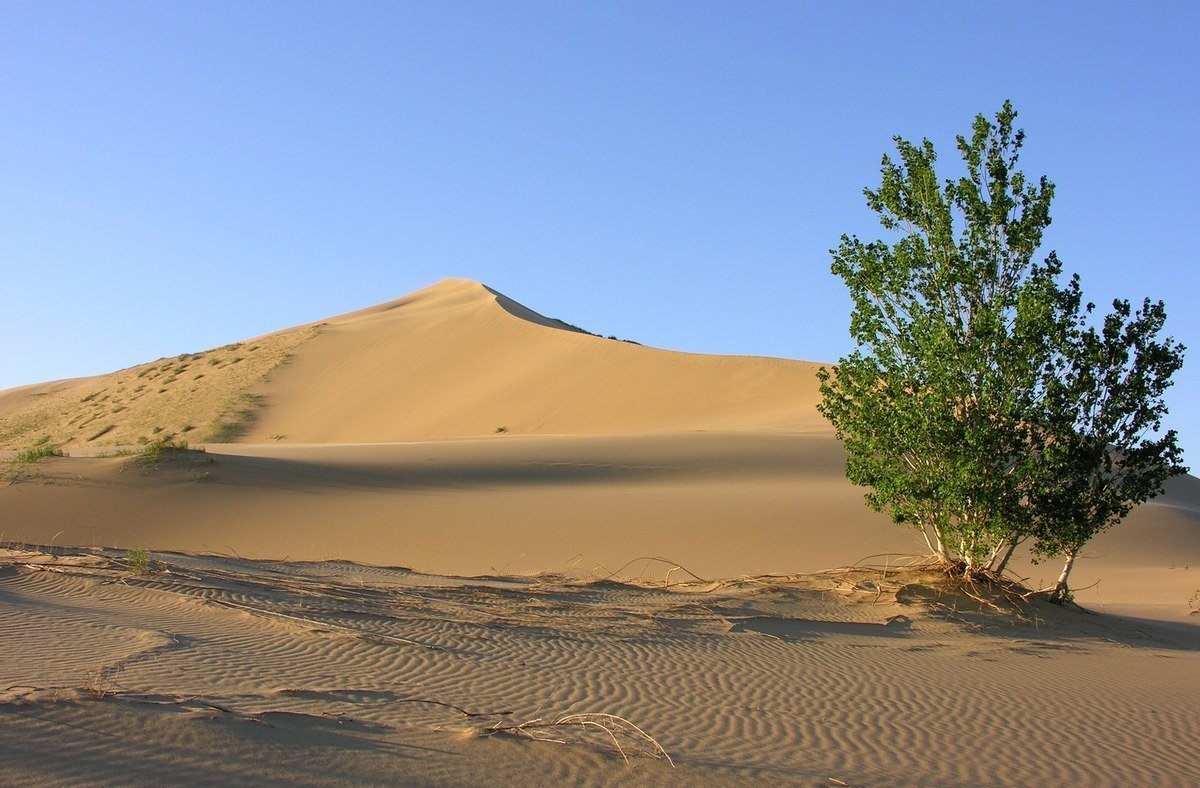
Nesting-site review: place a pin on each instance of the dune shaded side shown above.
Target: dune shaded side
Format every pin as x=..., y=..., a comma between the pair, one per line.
x=719, y=504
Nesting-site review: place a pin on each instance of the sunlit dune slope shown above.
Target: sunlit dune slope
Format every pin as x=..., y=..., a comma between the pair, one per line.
x=194, y=397
x=458, y=359
x=455, y=359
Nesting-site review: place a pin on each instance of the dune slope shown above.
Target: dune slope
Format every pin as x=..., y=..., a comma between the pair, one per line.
x=458, y=359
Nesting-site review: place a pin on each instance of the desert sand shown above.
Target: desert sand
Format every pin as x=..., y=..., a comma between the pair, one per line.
x=449, y=540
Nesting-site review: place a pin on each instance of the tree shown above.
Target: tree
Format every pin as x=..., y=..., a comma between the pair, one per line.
x=1102, y=449
x=975, y=403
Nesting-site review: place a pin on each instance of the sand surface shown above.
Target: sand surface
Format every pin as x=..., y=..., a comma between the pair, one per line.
x=645, y=537
x=336, y=673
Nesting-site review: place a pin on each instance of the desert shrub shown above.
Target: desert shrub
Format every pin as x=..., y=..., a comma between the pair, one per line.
x=137, y=561
x=39, y=451
x=155, y=449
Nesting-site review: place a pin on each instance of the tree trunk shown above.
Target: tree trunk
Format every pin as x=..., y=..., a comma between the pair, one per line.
x=1061, y=590
x=1004, y=561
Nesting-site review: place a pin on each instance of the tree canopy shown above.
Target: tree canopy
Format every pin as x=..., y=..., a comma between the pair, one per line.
x=982, y=405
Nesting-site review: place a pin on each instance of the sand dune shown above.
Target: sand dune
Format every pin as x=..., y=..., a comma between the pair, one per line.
x=457, y=359
x=275, y=635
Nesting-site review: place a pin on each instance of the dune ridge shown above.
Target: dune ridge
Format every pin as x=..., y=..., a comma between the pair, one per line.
x=458, y=359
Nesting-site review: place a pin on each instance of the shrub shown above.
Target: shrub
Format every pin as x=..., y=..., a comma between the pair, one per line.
x=39, y=451
x=137, y=561
x=155, y=449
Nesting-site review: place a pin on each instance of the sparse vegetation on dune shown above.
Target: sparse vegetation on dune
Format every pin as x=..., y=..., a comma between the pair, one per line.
x=101, y=432
x=155, y=449
x=39, y=451
x=119, y=408
x=138, y=562
x=236, y=419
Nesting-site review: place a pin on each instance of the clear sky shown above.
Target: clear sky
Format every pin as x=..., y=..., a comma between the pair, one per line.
x=179, y=175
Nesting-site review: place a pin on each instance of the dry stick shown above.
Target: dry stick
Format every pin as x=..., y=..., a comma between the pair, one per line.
x=583, y=720
x=616, y=743
x=655, y=558
x=566, y=721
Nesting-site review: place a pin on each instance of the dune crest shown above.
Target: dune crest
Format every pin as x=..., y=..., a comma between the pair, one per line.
x=459, y=359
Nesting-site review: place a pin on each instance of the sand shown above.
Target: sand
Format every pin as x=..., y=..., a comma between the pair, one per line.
x=647, y=537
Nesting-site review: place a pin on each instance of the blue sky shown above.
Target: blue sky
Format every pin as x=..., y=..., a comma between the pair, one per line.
x=182, y=175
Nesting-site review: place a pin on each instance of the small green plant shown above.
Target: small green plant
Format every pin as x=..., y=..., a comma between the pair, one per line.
x=39, y=451
x=42, y=440
x=154, y=450
x=137, y=561
x=501, y=429
x=102, y=431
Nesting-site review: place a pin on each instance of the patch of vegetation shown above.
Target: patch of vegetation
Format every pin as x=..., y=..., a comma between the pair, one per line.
x=154, y=450
x=236, y=420
x=42, y=440
x=501, y=429
x=137, y=561
x=90, y=397
x=574, y=327
x=102, y=431
x=39, y=451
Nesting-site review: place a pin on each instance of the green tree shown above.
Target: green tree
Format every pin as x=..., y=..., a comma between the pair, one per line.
x=1101, y=449
x=968, y=407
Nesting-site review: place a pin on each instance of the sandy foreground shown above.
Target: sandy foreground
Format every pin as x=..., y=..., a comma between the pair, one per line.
x=625, y=584
x=218, y=670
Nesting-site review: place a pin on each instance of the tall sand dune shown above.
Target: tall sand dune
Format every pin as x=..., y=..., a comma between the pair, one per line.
x=458, y=359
